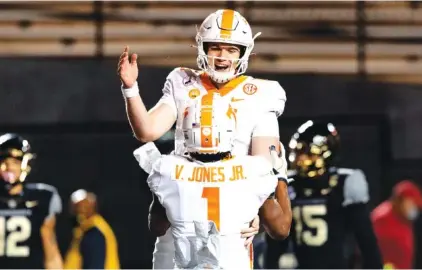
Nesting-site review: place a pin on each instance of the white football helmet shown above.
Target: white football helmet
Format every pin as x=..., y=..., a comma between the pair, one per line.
x=209, y=125
x=225, y=26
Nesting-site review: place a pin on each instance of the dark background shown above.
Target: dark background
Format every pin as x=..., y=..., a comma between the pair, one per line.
x=59, y=89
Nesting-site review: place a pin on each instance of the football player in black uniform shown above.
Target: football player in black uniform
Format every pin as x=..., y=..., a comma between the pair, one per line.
x=328, y=205
x=27, y=211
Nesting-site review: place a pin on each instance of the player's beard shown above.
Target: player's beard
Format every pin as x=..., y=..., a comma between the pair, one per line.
x=222, y=76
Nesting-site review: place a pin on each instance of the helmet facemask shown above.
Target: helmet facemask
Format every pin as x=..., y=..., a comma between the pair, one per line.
x=209, y=129
x=10, y=177
x=15, y=158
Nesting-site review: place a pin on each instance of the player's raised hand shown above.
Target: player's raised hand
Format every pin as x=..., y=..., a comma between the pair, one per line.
x=127, y=69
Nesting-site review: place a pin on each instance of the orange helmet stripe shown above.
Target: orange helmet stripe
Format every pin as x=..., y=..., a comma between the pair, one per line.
x=227, y=23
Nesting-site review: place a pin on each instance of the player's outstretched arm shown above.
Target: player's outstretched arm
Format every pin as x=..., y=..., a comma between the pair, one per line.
x=52, y=256
x=146, y=126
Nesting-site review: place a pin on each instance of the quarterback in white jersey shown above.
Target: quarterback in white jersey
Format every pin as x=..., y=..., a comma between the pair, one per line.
x=224, y=43
x=265, y=98
x=210, y=195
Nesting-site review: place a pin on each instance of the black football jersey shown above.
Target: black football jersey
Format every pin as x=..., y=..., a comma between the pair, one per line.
x=319, y=232
x=21, y=218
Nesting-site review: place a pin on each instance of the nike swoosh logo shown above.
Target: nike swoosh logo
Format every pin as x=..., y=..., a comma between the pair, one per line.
x=237, y=99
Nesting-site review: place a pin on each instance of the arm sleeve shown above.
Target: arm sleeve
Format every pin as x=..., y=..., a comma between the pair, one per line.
x=93, y=250
x=55, y=206
x=267, y=126
x=276, y=98
x=355, y=188
x=356, y=196
x=168, y=93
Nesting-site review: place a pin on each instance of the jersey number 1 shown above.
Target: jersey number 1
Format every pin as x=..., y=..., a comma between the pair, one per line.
x=212, y=195
x=14, y=230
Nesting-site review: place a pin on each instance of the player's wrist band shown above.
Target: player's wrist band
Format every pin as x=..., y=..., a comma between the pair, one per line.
x=131, y=92
x=279, y=177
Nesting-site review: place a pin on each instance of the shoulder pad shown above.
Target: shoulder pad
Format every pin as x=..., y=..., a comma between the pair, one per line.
x=168, y=161
x=154, y=177
x=355, y=188
x=146, y=156
x=55, y=204
x=181, y=72
x=345, y=171
x=156, y=165
x=272, y=94
x=41, y=187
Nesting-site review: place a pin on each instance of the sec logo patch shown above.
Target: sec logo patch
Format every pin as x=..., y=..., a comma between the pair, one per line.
x=194, y=93
x=250, y=89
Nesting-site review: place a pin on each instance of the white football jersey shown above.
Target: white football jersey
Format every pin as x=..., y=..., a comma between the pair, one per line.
x=208, y=204
x=250, y=99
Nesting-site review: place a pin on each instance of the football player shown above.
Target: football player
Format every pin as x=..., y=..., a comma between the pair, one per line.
x=224, y=44
x=328, y=203
x=27, y=211
x=209, y=194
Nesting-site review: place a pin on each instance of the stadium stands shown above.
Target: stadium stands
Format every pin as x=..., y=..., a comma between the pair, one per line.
x=313, y=37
